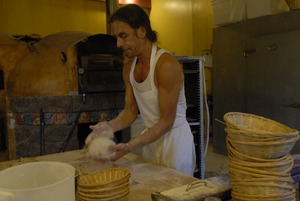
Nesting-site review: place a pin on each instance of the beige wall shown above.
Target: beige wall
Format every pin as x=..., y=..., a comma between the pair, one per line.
x=45, y=17
x=172, y=19
x=203, y=23
x=184, y=26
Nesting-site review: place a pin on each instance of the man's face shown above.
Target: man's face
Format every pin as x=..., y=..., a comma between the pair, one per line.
x=126, y=38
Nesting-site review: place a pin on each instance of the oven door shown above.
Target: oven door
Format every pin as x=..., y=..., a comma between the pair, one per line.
x=100, y=73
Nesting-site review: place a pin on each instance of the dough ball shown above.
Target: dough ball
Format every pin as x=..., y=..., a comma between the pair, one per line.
x=100, y=147
x=104, y=130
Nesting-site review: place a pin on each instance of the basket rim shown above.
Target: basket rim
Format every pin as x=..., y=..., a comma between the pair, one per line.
x=263, y=180
x=270, y=143
x=240, y=168
x=237, y=153
x=265, y=199
x=260, y=182
x=103, y=199
x=286, y=160
x=110, y=196
x=262, y=134
x=225, y=117
x=102, y=189
x=124, y=177
x=281, y=195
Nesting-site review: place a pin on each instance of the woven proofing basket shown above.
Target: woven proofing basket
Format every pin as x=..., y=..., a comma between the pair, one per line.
x=269, y=167
x=257, y=124
x=266, y=150
x=105, y=178
x=104, y=190
x=115, y=196
x=259, y=186
x=253, y=172
x=288, y=195
x=238, y=155
x=249, y=136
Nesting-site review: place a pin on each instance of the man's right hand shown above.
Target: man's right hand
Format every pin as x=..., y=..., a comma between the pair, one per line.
x=101, y=129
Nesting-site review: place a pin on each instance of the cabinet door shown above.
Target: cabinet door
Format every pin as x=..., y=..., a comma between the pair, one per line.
x=273, y=78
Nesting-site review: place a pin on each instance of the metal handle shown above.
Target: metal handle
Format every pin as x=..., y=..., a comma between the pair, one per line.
x=249, y=51
x=191, y=185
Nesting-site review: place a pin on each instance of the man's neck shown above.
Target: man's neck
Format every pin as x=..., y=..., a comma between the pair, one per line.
x=144, y=57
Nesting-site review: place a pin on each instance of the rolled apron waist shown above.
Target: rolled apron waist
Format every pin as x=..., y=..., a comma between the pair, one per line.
x=177, y=123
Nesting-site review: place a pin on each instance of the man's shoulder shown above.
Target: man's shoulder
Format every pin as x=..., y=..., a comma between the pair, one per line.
x=167, y=59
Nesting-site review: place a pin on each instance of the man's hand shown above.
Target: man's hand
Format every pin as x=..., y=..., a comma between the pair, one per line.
x=101, y=129
x=119, y=150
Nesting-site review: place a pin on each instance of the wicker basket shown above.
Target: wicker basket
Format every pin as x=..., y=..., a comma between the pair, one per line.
x=104, y=185
x=283, y=181
x=256, y=124
x=293, y=4
x=266, y=150
x=253, y=172
x=238, y=155
x=105, y=178
x=261, y=187
x=105, y=190
x=288, y=195
x=124, y=198
x=244, y=175
x=282, y=166
x=241, y=199
x=249, y=136
x=114, y=196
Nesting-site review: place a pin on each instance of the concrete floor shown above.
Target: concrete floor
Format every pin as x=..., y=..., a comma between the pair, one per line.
x=215, y=164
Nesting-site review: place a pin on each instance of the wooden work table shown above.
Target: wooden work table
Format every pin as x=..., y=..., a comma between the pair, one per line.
x=146, y=177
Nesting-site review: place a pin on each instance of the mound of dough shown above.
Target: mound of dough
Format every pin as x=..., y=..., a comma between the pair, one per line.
x=100, y=147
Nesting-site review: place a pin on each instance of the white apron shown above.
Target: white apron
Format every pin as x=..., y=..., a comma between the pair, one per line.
x=176, y=148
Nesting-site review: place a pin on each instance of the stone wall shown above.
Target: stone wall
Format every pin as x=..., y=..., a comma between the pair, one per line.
x=58, y=115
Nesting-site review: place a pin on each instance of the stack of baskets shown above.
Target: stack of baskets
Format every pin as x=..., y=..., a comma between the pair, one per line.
x=259, y=159
x=104, y=185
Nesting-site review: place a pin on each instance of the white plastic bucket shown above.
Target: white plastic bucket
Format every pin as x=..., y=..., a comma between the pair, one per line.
x=38, y=181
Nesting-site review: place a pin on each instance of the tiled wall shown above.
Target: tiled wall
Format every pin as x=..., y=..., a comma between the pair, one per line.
x=58, y=115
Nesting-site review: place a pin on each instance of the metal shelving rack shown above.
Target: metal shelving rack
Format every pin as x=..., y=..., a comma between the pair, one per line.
x=193, y=83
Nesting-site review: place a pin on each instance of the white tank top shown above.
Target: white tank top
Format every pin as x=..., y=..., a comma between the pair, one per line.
x=146, y=95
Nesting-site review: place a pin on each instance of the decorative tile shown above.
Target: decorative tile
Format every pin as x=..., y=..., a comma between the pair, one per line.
x=103, y=116
x=71, y=117
x=19, y=117
x=28, y=119
x=60, y=118
x=48, y=119
x=94, y=116
x=65, y=118
x=84, y=118
x=36, y=119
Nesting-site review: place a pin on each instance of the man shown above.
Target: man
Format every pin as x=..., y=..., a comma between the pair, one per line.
x=154, y=84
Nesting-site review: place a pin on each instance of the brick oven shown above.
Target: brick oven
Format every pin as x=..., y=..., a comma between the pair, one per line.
x=63, y=83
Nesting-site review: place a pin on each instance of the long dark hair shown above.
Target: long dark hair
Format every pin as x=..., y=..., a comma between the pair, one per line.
x=135, y=16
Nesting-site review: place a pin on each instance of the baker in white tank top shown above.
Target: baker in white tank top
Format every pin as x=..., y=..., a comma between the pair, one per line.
x=176, y=148
x=154, y=87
